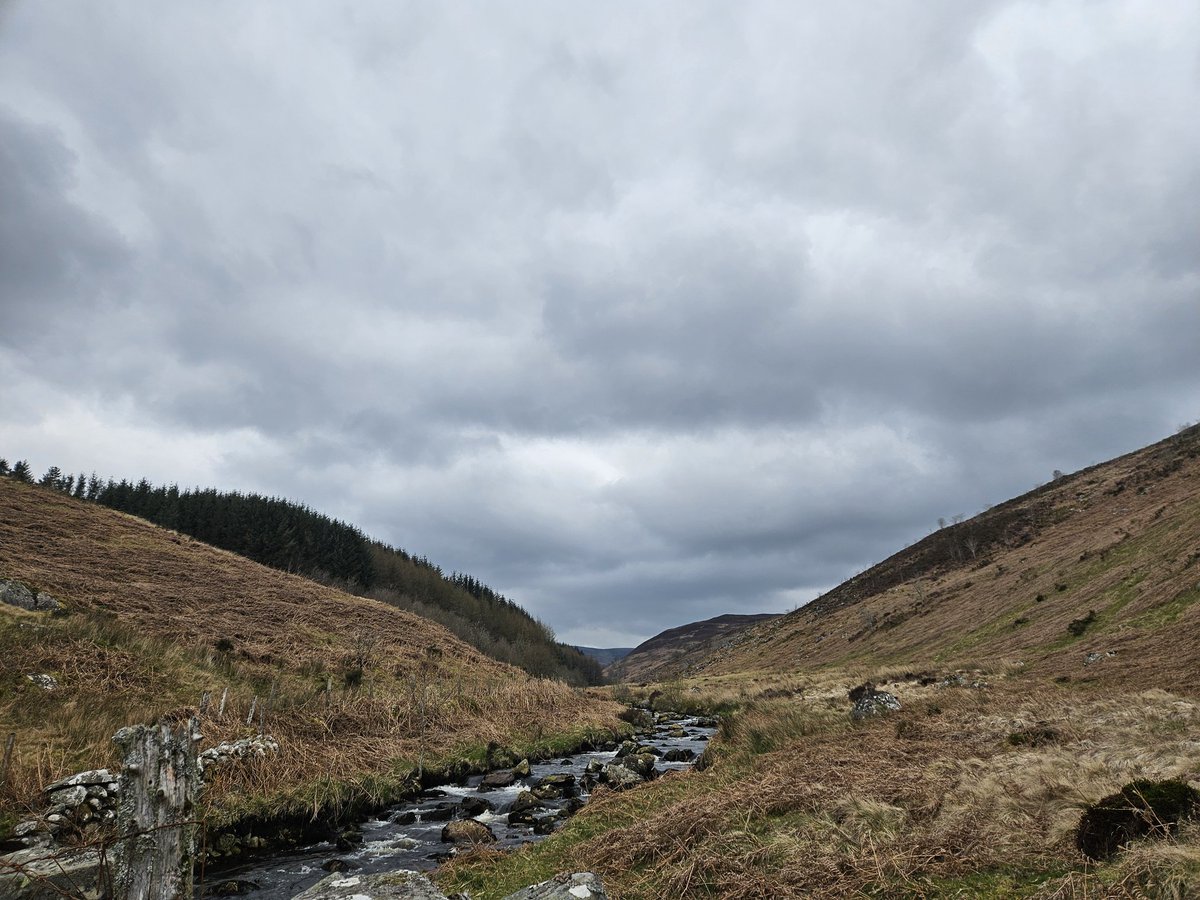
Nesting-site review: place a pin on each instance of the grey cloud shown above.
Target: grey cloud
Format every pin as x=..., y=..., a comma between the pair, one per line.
x=664, y=311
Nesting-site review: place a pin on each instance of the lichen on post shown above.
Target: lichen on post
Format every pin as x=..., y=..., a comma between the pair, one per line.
x=156, y=842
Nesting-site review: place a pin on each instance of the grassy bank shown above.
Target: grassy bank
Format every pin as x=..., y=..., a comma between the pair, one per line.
x=965, y=792
x=348, y=743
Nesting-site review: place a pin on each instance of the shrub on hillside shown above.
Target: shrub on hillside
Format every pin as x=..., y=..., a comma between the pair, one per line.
x=1142, y=807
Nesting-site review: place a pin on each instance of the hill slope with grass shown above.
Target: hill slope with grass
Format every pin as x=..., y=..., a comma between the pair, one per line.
x=669, y=652
x=1039, y=661
x=357, y=691
x=1106, y=560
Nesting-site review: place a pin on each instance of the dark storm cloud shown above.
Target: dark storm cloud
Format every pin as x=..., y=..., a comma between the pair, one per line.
x=640, y=314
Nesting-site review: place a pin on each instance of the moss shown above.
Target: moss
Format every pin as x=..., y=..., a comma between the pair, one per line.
x=1140, y=808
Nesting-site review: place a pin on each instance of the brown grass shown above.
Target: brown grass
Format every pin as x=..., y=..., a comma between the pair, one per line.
x=1122, y=539
x=356, y=691
x=931, y=802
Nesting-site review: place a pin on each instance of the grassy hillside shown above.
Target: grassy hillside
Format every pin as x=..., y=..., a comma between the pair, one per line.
x=1114, y=549
x=976, y=786
x=357, y=691
x=289, y=536
x=670, y=652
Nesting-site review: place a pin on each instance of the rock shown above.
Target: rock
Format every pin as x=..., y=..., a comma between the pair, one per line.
x=467, y=831
x=594, y=767
x=625, y=748
x=576, y=886
x=45, y=682
x=495, y=780
x=69, y=797
x=14, y=593
x=873, y=703
x=1096, y=656
x=402, y=885
x=641, y=763
x=349, y=839
x=440, y=813
x=526, y=800
x=474, y=806
x=618, y=777
x=522, y=769
x=679, y=754
x=92, y=777
x=34, y=874
x=404, y=818
x=337, y=865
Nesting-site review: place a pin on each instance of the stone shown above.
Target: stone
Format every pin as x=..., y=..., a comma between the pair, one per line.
x=45, y=682
x=1097, y=655
x=495, y=780
x=337, y=865
x=69, y=797
x=874, y=703
x=401, y=885
x=618, y=777
x=679, y=754
x=467, y=831
x=16, y=594
x=474, y=806
x=34, y=874
x=574, y=886
x=98, y=777
x=522, y=769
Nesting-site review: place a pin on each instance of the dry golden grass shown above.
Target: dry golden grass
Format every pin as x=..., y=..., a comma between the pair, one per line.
x=356, y=691
x=931, y=802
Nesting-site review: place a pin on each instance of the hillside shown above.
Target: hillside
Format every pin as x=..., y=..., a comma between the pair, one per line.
x=669, y=653
x=1036, y=659
x=289, y=536
x=356, y=691
x=1104, y=560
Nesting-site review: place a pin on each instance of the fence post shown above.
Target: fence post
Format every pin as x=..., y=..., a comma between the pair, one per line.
x=156, y=827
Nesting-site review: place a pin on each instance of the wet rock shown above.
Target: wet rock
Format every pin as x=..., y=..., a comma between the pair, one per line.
x=495, y=780
x=467, y=831
x=337, y=865
x=349, y=839
x=619, y=777
x=641, y=763
x=576, y=886
x=440, y=813
x=404, y=818
x=400, y=885
x=679, y=754
x=522, y=769
x=474, y=806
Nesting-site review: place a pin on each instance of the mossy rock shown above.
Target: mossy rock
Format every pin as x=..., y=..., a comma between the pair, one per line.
x=1140, y=808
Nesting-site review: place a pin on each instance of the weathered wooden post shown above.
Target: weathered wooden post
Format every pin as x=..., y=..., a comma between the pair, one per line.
x=156, y=842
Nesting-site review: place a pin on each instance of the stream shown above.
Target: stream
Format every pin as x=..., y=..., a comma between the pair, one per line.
x=408, y=835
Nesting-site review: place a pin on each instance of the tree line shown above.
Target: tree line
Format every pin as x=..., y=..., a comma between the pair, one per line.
x=292, y=537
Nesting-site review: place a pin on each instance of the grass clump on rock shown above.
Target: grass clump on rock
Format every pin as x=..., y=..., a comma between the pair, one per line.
x=1142, y=807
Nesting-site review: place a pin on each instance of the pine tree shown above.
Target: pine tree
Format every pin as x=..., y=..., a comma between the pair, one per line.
x=52, y=477
x=80, y=486
x=22, y=472
x=3, y=466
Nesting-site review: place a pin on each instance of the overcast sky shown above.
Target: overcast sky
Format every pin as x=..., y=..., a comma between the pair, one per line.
x=638, y=312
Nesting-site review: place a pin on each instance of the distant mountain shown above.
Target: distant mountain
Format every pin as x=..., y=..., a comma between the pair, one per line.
x=605, y=655
x=669, y=653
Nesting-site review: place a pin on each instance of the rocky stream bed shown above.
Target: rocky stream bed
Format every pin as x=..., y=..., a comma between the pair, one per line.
x=504, y=809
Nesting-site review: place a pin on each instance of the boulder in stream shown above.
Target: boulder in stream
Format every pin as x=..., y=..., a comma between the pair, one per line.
x=467, y=831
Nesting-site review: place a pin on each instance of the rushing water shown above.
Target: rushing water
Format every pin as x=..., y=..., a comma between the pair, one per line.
x=408, y=836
